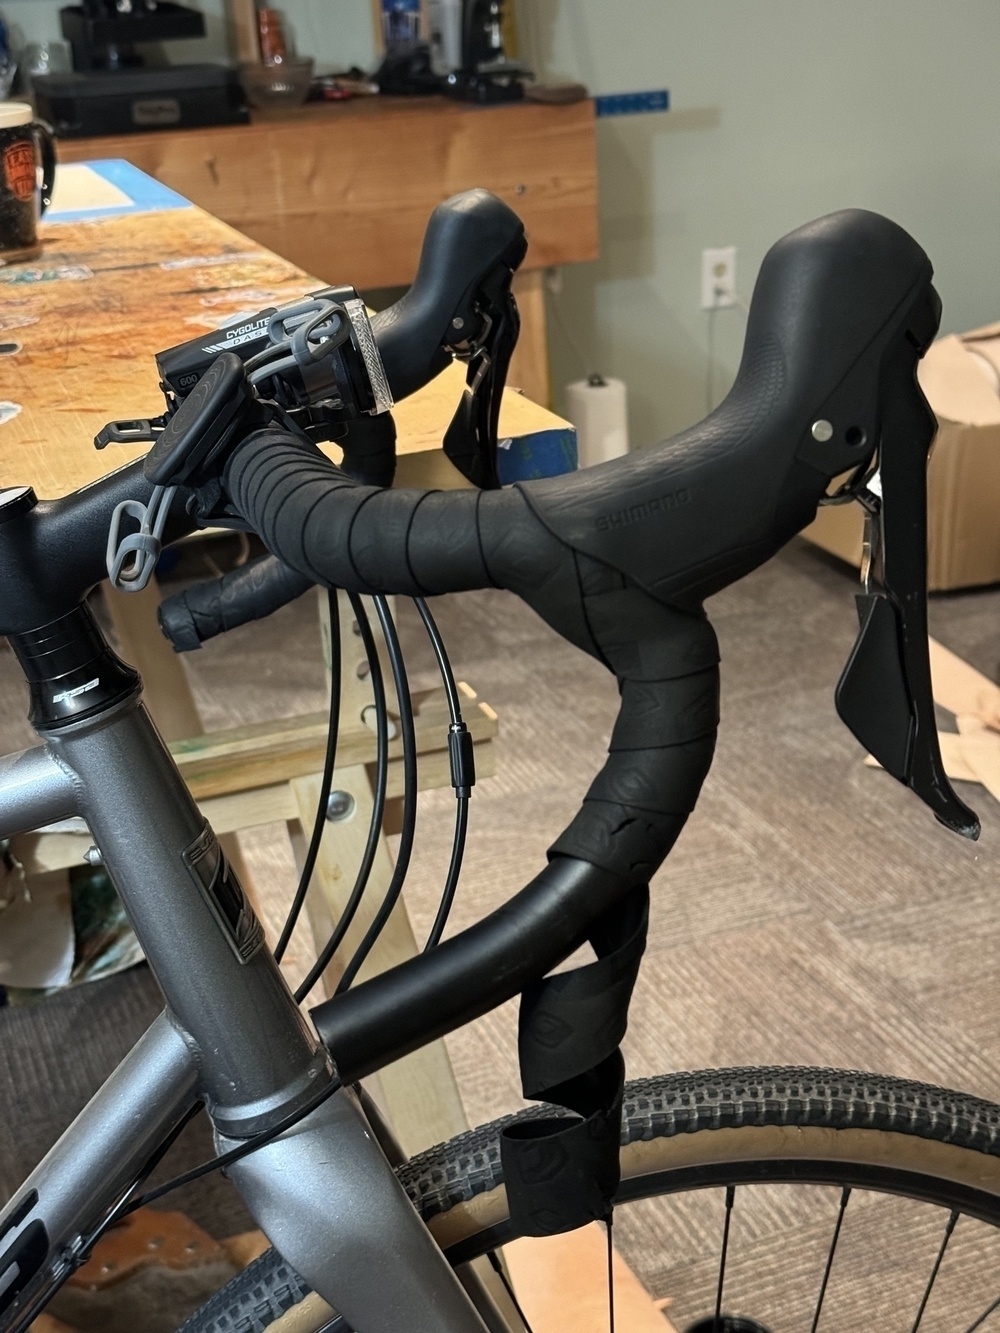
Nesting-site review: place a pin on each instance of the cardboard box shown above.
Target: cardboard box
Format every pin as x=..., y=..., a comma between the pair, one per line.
x=960, y=375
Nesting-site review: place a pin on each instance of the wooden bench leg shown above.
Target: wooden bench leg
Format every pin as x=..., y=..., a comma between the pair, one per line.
x=166, y=690
x=418, y=1094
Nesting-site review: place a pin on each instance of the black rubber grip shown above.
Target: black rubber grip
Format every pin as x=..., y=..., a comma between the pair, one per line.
x=257, y=589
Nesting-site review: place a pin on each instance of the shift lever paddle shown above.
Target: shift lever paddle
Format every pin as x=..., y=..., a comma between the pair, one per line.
x=884, y=695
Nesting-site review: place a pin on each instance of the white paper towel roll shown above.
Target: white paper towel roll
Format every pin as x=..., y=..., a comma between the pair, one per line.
x=597, y=408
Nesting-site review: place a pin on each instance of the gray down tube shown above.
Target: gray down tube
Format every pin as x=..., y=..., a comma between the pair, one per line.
x=232, y=1037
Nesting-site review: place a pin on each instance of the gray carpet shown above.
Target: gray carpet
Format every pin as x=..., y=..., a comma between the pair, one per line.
x=812, y=912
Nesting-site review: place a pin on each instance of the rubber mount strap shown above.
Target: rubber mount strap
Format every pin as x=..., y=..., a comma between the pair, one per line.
x=562, y=1173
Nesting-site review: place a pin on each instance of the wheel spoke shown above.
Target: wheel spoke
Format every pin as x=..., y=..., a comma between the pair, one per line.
x=501, y=1272
x=844, y=1197
x=984, y=1316
x=730, y=1196
x=611, y=1280
x=949, y=1228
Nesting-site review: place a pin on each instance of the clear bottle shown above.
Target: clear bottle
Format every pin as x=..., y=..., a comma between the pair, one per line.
x=445, y=36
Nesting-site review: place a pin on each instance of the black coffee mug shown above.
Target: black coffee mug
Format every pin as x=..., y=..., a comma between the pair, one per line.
x=25, y=144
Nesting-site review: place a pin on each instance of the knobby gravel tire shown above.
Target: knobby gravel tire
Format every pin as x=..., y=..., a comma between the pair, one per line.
x=679, y=1132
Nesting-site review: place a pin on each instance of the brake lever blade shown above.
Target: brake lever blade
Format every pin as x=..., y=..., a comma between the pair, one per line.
x=885, y=695
x=470, y=441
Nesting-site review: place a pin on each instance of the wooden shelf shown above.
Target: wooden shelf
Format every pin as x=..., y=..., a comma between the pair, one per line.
x=344, y=190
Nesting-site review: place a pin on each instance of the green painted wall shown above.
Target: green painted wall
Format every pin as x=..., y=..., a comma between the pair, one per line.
x=782, y=110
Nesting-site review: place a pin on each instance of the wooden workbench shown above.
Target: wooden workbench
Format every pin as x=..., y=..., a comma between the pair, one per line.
x=344, y=190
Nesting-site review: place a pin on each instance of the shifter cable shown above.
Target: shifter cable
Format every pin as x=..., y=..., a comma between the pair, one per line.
x=309, y=864
x=463, y=772
x=378, y=808
x=409, y=818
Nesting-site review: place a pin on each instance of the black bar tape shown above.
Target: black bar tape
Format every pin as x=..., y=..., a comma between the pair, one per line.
x=275, y=481
x=563, y=1173
x=521, y=555
x=561, y=1053
x=255, y=590
x=440, y=549
x=416, y=542
x=613, y=615
x=666, y=663
x=469, y=973
x=636, y=842
x=345, y=535
x=655, y=780
x=379, y=538
x=639, y=802
x=668, y=712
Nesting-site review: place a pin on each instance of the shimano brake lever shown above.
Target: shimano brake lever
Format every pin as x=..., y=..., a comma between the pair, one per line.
x=460, y=305
x=885, y=695
x=842, y=310
x=470, y=441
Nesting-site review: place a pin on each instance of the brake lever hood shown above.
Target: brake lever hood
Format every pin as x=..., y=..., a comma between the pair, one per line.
x=842, y=310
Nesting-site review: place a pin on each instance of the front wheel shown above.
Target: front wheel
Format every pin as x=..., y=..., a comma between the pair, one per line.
x=859, y=1200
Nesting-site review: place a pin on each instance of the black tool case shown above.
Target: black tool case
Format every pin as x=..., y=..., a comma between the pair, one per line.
x=82, y=105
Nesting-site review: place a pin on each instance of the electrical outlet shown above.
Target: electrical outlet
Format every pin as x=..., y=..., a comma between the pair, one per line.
x=718, y=278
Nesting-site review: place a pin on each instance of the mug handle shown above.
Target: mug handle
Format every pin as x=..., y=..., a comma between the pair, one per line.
x=47, y=143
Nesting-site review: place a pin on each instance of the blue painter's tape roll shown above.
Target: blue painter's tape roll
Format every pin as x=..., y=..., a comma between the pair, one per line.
x=544, y=453
x=632, y=104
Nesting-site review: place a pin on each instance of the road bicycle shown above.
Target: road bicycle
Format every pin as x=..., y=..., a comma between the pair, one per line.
x=619, y=560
